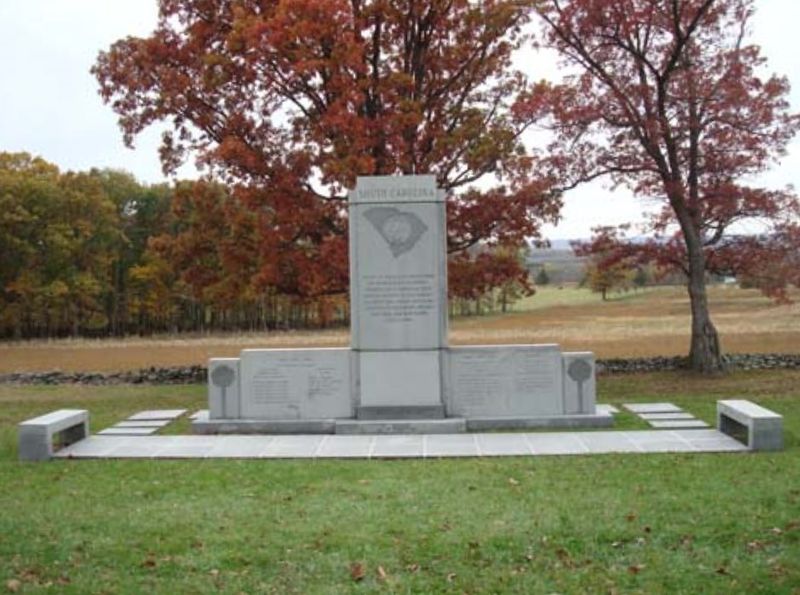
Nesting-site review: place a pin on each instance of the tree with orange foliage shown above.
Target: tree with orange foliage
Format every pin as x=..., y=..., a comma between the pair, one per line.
x=289, y=100
x=667, y=98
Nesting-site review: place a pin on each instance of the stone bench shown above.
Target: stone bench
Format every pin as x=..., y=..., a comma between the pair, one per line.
x=756, y=426
x=41, y=436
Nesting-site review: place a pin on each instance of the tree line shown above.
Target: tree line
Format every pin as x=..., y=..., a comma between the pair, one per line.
x=99, y=254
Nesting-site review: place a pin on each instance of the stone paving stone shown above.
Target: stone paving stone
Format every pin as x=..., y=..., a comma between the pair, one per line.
x=606, y=408
x=672, y=424
x=144, y=423
x=711, y=441
x=188, y=447
x=117, y=431
x=302, y=446
x=168, y=414
x=640, y=408
x=654, y=441
x=202, y=414
x=345, y=446
x=240, y=447
x=492, y=444
x=665, y=416
x=668, y=446
x=608, y=442
x=556, y=443
x=398, y=446
x=652, y=408
x=451, y=445
x=141, y=447
x=91, y=447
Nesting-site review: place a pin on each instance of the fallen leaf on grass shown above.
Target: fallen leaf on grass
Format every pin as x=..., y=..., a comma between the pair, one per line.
x=382, y=576
x=451, y=577
x=413, y=567
x=149, y=563
x=513, y=481
x=722, y=570
x=635, y=568
x=13, y=585
x=776, y=569
x=777, y=531
x=755, y=545
x=631, y=516
x=357, y=571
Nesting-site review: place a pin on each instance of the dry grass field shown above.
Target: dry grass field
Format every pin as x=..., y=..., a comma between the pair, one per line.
x=645, y=323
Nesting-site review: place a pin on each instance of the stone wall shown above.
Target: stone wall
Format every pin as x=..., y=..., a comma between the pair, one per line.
x=197, y=374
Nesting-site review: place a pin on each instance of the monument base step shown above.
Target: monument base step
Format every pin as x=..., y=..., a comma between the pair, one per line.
x=263, y=426
x=451, y=425
x=401, y=412
x=584, y=420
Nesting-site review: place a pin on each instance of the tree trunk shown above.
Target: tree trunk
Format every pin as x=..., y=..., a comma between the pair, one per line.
x=705, y=356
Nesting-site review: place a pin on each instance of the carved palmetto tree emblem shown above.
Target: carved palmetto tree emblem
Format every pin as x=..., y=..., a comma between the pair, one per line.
x=580, y=371
x=222, y=377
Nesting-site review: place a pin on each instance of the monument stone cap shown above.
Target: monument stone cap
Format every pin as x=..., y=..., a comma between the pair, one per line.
x=396, y=189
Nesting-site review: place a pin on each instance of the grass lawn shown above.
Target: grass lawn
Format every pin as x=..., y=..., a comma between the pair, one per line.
x=588, y=524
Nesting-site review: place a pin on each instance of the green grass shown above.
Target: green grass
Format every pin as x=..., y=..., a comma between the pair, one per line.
x=617, y=523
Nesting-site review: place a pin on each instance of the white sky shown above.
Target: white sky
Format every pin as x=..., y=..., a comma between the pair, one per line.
x=49, y=104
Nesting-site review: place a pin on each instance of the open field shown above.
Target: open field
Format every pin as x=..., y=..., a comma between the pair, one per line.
x=635, y=324
x=601, y=524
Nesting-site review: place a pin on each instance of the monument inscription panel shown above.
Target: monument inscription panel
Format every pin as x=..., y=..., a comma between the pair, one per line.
x=498, y=381
x=295, y=383
x=398, y=284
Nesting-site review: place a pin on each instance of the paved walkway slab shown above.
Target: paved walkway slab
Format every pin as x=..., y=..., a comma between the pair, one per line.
x=401, y=446
x=157, y=414
x=671, y=424
x=144, y=423
x=665, y=416
x=118, y=431
x=652, y=408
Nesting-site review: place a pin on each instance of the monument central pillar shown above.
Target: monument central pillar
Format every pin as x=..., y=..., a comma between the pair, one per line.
x=398, y=297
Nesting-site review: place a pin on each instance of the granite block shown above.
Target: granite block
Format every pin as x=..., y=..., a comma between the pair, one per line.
x=671, y=424
x=496, y=444
x=39, y=438
x=579, y=382
x=652, y=408
x=224, y=388
x=397, y=446
x=456, y=445
x=398, y=277
x=505, y=381
x=665, y=416
x=117, y=431
x=157, y=414
x=345, y=447
x=295, y=384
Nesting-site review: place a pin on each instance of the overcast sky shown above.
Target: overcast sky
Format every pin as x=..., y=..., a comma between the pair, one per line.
x=49, y=104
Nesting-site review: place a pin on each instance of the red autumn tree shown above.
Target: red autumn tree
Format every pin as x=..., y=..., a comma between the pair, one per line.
x=667, y=98
x=289, y=100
